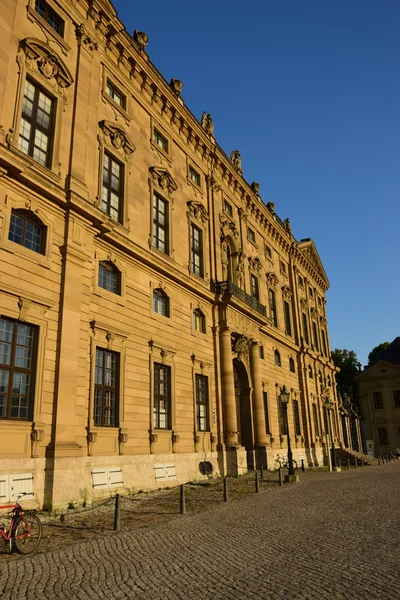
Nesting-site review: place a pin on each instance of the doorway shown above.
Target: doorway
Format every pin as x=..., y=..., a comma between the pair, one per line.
x=243, y=411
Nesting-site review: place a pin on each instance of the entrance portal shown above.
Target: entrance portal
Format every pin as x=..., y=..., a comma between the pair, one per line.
x=243, y=411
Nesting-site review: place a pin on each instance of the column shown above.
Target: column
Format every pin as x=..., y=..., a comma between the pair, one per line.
x=228, y=389
x=260, y=436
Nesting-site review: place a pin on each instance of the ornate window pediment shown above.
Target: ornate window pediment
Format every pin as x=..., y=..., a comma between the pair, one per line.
x=272, y=279
x=304, y=304
x=198, y=211
x=228, y=227
x=38, y=55
x=117, y=137
x=255, y=263
x=162, y=179
x=287, y=292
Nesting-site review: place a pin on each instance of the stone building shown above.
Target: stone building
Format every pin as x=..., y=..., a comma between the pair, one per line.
x=379, y=392
x=152, y=306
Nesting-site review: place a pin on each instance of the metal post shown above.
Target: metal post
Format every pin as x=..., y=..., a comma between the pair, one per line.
x=280, y=476
x=257, y=483
x=355, y=462
x=289, y=449
x=261, y=472
x=302, y=465
x=225, y=490
x=362, y=462
x=333, y=443
x=340, y=464
x=328, y=451
x=117, y=513
x=379, y=462
x=348, y=463
x=182, y=503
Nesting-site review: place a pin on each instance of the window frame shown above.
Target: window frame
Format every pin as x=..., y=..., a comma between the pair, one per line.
x=282, y=267
x=287, y=317
x=160, y=293
x=228, y=212
x=396, y=399
x=110, y=267
x=115, y=92
x=34, y=127
x=304, y=324
x=104, y=388
x=383, y=439
x=251, y=235
x=254, y=287
x=158, y=134
x=316, y=422
x=291, y=362
x=12, y=369
x=272, y=307
x=196, y=252
x=277, y=358
x=49, y=9
x=121, y=195
x=198, y=316
x=268, y=252
x=266, y=413
x=200, y=377
x=156, y=226
x=377, y=400
x=315, y=335
x=36, y=222
x=194, y=176
x=296, y=417
x=157, y=397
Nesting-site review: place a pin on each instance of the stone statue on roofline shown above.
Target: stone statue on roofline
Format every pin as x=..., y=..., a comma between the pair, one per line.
x=176, y=86
x=236, y=160
x=141, y=38
x=207, y=123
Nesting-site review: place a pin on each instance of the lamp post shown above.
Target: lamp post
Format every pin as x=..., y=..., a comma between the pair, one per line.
x=329, y=406
x=284, y=398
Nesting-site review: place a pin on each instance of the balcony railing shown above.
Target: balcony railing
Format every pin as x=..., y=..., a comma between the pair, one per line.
x=227, y=288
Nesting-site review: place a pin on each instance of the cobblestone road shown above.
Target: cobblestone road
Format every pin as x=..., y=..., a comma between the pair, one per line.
x=334, y=536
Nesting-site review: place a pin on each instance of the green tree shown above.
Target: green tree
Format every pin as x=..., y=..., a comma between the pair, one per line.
x=373, y=355
x=349, y=367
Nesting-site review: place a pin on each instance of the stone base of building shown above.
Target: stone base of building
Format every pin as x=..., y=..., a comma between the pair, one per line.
x=291, y=479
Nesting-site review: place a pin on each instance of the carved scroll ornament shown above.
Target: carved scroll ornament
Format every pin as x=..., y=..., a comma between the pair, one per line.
x=198, y=211
x=117, y=137
x=287, y=292
x=272, y=279
x=162, y=179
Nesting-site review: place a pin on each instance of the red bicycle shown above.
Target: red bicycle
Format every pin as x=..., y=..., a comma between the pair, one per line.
x=25, y=530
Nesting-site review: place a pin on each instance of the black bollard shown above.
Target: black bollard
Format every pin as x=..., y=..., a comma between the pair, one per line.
x=355, y=462
x=302, y=465
x=340, y=463
x=348, y=463
x=379, y=461
x=225, y=490
x=182, y=503
x=257, y=483
x=261, y=472
x=362, y=462
x=280, y=476
x=117, y=514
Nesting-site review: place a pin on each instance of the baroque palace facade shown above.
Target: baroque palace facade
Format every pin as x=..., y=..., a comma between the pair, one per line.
x=151, y=305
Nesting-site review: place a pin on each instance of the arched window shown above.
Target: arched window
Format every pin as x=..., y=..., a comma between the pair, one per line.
x=291, y=365
x=329, y=381
x=199, y=320
x=27, y=230
x=277, y=358
x=161, y=302
x=310, y=372
x=109, y=277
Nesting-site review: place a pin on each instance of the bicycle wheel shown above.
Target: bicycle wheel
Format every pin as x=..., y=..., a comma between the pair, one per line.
x=295, y=464
x=27, y=533
x=278, y=464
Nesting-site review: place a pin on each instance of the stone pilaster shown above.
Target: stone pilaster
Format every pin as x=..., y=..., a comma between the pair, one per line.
x=228, y=390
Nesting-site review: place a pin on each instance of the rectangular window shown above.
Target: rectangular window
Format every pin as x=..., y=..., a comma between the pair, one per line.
x=113, y=185
x=162, y=397
x=51, y=17
x=266, y=413
x=272, y=307
x=396, y=398
x=267, y=252
x=324, y=347
x=282, y=267
x=228, y=210
x=383, y=436
x=115, y=94
x=36, y=129
x=251, y=236
x=18, y=342
x=106, y=388
x=378, y=401
x=160, y=224
x=261, y=351
x=305, y=328
x=315, y=417
x=254, y=287
x=197, y=251
x=282, y=418
x=160, y=140
x=202, y=402
x=301, y=281
x=315, y=336
x=311, y=292
x=288, y=321
x=194, y=176
x=296, y=417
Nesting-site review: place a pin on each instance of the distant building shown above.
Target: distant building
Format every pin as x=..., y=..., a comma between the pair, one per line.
x=379, y=392
x=151, y=305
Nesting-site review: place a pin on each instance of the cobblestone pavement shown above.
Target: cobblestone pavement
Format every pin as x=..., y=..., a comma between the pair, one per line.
x=333, y=536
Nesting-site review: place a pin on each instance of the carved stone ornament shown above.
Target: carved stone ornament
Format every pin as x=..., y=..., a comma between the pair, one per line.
x=177, y=86
x=271, y=206
x=314, y=312
x=287, y=225
x=115, y=135
x=162, y=179
x=255, y=263
x=255, y=187
x=141, y=38
x=36, y=53
x=236, y=160
x=212, y=182
x=322, y=320
x=240, y=268
x=304, y=304
x=241, y=347
x=207, y=123
x=286, y=292
x=228, y=227
x=198, y=211
x=272, y=279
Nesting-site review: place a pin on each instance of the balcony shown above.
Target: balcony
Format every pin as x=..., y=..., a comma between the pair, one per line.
x=227, y=288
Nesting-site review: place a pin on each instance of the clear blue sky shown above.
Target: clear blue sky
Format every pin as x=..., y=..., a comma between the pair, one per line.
x=309, y=92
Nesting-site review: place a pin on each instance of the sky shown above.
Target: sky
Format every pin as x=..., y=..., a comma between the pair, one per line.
x=309, y=92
